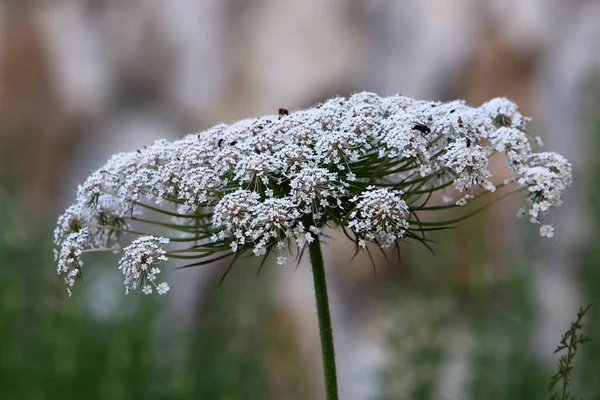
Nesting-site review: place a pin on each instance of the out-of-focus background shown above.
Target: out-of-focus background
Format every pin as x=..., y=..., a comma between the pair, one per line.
x=81, y=80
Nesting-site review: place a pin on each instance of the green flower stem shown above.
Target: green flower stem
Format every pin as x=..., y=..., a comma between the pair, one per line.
x=328, y=353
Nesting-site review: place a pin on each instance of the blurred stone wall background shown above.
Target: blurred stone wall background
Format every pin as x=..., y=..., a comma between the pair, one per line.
x=83, y=79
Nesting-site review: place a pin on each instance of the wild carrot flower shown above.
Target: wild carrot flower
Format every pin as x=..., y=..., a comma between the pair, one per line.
x=380, y=216
x=137, y=264
x=366, y=164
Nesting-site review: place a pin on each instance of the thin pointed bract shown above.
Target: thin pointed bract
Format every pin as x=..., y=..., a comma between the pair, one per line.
x=262, y=264
x=229, y=267
x=208, y=261
x=372, y=261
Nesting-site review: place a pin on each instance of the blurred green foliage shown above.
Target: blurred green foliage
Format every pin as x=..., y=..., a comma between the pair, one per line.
x=494, y=317
x=479, y=323
x=244, y=347
x=587, y=373
x=52, y=347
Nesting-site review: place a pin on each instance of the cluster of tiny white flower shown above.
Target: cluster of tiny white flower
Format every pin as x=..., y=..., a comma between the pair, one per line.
x=359, y=162
x=548, y=175
x=469, y=162
x=68, y=258
x=380, y=216
x=315, y=188
x=249, y=220
x=547, y=231
x=137, y=264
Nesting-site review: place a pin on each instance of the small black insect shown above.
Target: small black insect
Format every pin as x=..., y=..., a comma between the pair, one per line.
x=452, y=111
x=139, y=151
x=422, y=128
x=468, y=142
x=283, y=111
x=220, y=142
x=233, y=143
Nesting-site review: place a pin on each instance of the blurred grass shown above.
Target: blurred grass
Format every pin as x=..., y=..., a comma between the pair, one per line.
x=471, y=317
x=244, y=347
x=52, y=347
x=496, y=315
x=587, y=374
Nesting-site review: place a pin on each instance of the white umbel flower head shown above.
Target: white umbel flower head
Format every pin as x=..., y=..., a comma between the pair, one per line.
x=546, y=178
x=276, y=182
x=68, y=258
x=380, y=216
x=137, y=264
x=515, y=144
x=470, y=162
x=234, y=213
x=273, y=221
x=316, y=188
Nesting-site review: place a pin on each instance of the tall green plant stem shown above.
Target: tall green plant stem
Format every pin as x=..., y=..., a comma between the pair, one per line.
x=328, y=353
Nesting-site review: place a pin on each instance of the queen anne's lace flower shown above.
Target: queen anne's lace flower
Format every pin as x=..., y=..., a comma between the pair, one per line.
x=264, y=184
x=235, y=211
x=469, y=162
x=515, y=144
x=504, y=113
x=68, y=257
x=273, y=221
x=548, y=175
x=137, y=264
x=380, y=216
x=316, y=189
